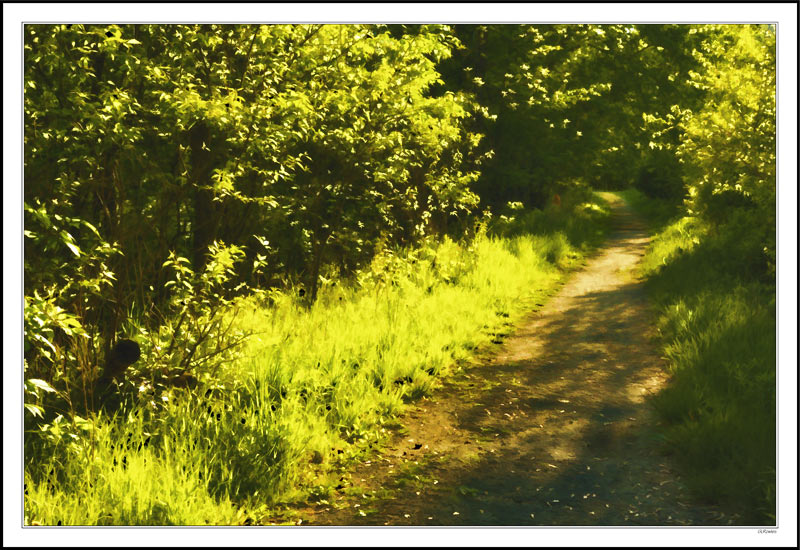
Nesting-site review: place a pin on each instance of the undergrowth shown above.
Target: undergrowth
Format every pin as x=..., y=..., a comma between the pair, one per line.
x=718, y=328
x=656, y=213
x=313, y=389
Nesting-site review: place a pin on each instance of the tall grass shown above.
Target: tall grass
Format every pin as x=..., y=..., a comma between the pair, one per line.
x=116, y=475
x=718, y=327
x=313, y=389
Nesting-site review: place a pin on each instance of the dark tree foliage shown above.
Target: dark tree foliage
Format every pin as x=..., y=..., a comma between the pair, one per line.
x=565, y=102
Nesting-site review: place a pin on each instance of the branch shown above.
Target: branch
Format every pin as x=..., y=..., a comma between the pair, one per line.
x=208, y=356
x=247, y=62
x=187, y=359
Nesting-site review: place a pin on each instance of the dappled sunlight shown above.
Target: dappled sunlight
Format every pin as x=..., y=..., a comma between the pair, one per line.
x=556, y=428
x=263, y=248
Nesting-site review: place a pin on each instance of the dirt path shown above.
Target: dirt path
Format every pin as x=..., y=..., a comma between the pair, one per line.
x=555, y=429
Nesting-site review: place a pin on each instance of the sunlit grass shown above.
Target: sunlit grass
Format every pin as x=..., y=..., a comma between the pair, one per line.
x=314, y=388
x=121, y=475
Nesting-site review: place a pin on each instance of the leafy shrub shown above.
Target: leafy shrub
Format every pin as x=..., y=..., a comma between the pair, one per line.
x=612, y=169
x=728, y=146
x=660, y=176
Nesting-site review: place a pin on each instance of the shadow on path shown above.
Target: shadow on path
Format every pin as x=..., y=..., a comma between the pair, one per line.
x=555, y=429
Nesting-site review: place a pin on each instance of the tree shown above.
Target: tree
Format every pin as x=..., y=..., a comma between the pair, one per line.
x=305, y=147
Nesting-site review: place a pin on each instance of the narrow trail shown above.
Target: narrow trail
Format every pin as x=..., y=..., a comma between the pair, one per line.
x=555, y=429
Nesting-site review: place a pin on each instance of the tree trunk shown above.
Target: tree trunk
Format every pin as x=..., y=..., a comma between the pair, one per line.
x=205, y=215
x=315, y=268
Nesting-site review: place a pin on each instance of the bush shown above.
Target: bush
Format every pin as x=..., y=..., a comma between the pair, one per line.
x=660, y=176
x=718, y=206
x=611, y=171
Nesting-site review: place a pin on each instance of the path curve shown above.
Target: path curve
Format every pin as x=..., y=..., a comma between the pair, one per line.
x=555, y=429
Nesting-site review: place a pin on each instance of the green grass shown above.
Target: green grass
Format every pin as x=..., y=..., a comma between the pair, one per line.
x=313, y=390
x=718, y=328
x=117, y=475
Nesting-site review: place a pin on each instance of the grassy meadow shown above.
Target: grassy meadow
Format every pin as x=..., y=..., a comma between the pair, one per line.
x=313, y=389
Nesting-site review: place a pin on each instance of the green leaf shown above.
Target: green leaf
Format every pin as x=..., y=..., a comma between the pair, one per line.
x=83, y=423
x=41, y=384
x=35, y=410
x=75, y=250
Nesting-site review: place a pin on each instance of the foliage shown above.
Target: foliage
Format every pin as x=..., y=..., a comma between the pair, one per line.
x=717, y=323
x=193, y=331
x=711, y=267
x=660, y=176
x=729, y=145
x=302, y=147
x=313, y=176
x=563, y=103
x=314, y=388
